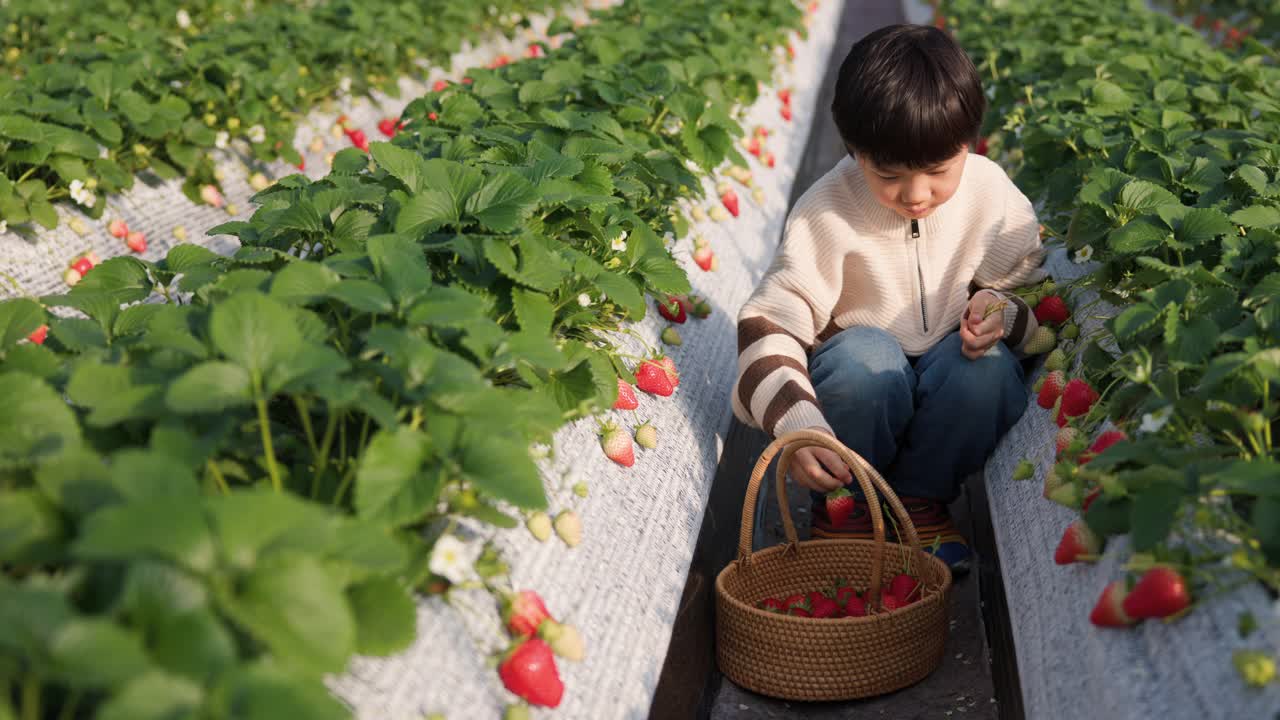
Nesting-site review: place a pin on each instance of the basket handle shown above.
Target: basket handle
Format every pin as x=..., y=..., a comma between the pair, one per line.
x=868, y=479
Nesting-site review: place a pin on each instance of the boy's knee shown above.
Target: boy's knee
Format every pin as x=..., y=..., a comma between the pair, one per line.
x=863, y=366
x=861, y=351
x=993, y=380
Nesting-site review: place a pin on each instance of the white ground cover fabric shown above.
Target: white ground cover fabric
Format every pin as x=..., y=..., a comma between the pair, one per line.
x=622, y=586
x=1068, y=668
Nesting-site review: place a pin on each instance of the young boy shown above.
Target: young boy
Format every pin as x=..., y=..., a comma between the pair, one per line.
x=871, y=324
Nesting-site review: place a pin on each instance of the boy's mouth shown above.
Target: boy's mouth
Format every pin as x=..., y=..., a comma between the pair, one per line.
x=916, y=211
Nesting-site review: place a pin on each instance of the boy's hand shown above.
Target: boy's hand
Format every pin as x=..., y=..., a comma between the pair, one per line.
x=818, y=468
x=982, y=326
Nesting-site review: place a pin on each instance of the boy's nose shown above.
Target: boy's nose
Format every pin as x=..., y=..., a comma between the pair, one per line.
x=915, y=192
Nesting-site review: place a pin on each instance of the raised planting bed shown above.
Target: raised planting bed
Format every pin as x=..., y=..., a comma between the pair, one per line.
x=327, y=444
x=1151, y=156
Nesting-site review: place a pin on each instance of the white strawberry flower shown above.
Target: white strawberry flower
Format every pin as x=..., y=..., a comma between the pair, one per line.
x=1152, y=422
x=184, y=18
x=453, y=559
x=1084, y=254
x=76, y=187
x=221, y=139
x=257, y=134
x=103, y=152
x=668, y=239
x=584, y=300
x=619, y=244
x=345, y=84
x=4, y=226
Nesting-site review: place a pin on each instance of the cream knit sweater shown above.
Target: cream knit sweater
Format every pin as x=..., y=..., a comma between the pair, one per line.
x=846, y=260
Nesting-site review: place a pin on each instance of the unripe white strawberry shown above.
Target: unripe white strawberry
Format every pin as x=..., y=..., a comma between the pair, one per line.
x=569, y=528
x=540, y=526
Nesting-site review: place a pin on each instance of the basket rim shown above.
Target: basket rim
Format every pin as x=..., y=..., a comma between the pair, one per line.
x=721, y=592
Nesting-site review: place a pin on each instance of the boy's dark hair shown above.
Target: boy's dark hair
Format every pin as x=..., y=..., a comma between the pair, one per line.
x=907, y=95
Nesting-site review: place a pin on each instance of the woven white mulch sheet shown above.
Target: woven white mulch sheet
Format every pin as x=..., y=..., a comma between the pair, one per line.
x=37, y=259
x=622, y=586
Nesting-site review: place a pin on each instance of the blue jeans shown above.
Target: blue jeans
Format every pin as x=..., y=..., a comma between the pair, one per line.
x=924, y=423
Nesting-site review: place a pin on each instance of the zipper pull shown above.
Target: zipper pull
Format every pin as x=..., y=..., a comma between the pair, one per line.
x=915, y=228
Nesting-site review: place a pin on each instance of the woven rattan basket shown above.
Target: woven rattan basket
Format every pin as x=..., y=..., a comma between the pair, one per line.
x=799, y=658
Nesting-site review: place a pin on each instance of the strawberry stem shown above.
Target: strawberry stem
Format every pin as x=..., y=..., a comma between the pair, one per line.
x=264, y=428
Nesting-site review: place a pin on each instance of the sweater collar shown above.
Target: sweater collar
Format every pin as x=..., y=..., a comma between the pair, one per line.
x=882, y=221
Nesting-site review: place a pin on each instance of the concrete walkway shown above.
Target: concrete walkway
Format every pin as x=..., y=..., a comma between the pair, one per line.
x=691, y=686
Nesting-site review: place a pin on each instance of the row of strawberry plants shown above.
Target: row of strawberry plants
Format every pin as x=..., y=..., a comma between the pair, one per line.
x=1154, y=156
x=94, y=97
x=1250, y=25
x=213, y=500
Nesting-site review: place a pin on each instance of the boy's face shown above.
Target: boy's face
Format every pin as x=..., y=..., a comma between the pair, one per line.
x=915, y=194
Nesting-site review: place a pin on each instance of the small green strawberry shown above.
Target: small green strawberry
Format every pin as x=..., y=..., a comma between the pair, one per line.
x=671, y=336
x=1057, y=360
x=647, y=436
x=580, y=489
x=1038, y=384
x=1070, y=331
x=517, y=712
x=1025, y=470
x=1042, y=341
x=1255, y=668
x=540, y=526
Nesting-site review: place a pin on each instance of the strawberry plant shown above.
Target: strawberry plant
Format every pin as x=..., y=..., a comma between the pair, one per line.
x=225, y=475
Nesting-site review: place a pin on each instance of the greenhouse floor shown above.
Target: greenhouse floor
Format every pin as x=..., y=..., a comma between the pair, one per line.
x=691, y=686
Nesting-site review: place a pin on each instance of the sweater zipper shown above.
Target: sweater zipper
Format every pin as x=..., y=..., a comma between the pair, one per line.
x=924, y=311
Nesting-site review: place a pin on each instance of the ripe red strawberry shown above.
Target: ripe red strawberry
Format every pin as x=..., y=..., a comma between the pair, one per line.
x=38, y=335
x=1052, y=389
x=533, y=51
x=705, y=258
x=1077, y=397
x=1198, y=22
x=753, y=146
x=358, y=139
x=1104, y=441
x=653, y=379
x=670, y=366
x=982, y=146
x=855, y=607
x=729, y=197
x=118, y=228
x=387, y=126
x=769, y=159
x=1109, y=612
x=1052, y=310
x=791, y=51
x=137, y=242
x=530, y=672
x=1064, y=438
x=432, y=116
x=1217, y=25
x=439, y=85
x=500, y=61
x=626, y=397
x=785, y=112
x=617, y=445
x=1160, y=592
x=840, y=504
x=672, y=310
x=905, y=588
x=890, y=601
x=1078, y=544
x=467, y=81
x=824, y=607
x=785, y=96
x=773, y=605
x=794, y=600
x=524, y=612
x=799, y=611
x=302, y=164
x=82, y=265
x=844, y=592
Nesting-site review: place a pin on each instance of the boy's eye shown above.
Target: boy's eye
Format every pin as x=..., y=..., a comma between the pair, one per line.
x=887, y=177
